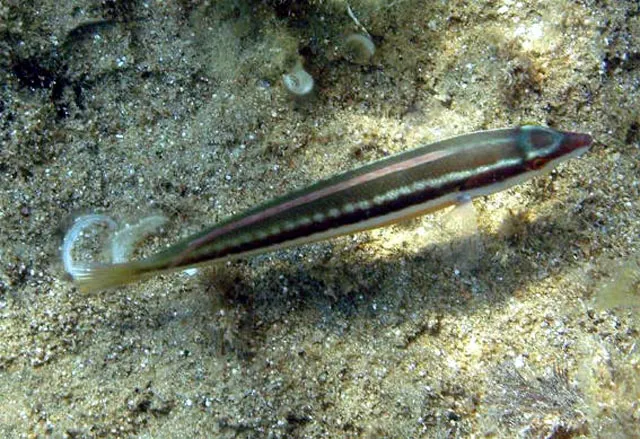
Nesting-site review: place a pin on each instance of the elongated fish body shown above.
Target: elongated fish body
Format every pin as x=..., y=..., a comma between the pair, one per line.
x=386, y=191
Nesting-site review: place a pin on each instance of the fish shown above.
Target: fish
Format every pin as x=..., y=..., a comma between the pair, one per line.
x=392, y=189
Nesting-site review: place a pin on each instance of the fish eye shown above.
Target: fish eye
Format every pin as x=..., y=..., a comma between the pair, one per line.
x=537, y=163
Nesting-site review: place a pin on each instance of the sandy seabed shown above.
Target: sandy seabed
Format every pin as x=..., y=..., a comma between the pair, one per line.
x=178, y=108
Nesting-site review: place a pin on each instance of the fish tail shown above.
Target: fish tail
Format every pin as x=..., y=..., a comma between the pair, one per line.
x=93, y=278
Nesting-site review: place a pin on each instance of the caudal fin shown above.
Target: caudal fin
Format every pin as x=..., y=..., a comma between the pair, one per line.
x=93, y=278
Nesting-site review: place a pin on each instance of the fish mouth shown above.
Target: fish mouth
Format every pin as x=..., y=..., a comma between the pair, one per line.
x=576, y=142
x=571, y=145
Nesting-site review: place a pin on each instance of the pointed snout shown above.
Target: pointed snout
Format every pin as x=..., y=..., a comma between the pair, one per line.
x=576, y=141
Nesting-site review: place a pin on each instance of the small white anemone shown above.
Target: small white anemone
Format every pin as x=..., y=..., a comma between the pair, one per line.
x=359, y=48
x=298, y=82
x=73, y=234
x=123, y=239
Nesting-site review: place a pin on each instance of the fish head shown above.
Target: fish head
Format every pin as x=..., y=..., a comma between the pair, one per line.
x=544, y=148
